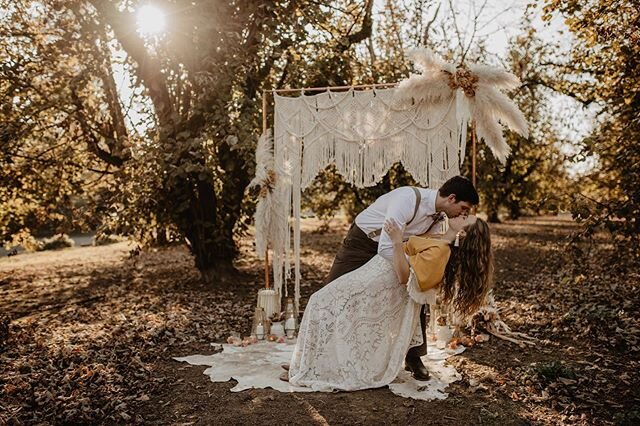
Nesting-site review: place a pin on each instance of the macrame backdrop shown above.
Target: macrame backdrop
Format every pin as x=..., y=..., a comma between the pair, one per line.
x=421, y=123
x=364, y=133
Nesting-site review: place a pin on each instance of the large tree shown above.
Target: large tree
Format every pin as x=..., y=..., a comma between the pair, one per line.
x=204, y=78
x=62, y=132
x=603, y=69
x=198, y=84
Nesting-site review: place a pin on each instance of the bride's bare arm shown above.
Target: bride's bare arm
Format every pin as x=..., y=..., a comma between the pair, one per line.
x=400, y=263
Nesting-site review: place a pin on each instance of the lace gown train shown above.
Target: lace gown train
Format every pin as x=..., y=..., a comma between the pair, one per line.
x=356, y=331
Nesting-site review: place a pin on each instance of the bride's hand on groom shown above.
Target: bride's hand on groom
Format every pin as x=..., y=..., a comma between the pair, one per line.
x=394, y=230
x=400, y=264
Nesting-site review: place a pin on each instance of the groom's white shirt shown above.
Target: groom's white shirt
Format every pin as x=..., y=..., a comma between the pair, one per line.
x=398, y=204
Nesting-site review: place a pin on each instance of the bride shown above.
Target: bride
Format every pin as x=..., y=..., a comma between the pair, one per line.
x=356, y=330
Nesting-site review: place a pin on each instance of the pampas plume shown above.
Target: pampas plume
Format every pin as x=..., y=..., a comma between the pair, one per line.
x=263, y=224
x=487, y=128
x=501, y=107
x=263, y=214
x=495, y=77
x=440, y=80
x=264, y=159
x=426, y=60
x=431, y=89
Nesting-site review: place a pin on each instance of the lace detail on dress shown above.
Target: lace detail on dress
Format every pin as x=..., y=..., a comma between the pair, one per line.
x=356, y=331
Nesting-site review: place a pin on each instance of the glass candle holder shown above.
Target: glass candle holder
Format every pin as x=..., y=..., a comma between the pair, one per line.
x=259, y=327
x=291, y=321
x=444, y=334
x=277, y=329
x=434, y=312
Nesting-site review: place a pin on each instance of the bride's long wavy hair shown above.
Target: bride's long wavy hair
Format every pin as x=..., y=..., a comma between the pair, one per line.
x=469, y=272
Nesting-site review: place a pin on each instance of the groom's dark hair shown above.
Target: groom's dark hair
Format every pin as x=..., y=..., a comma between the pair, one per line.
x=462, y=188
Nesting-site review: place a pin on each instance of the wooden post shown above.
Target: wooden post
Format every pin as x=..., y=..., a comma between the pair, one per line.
x=264, y=129
x=473, y=152
x=473, y=158
x=264, y=111
x=266, y=268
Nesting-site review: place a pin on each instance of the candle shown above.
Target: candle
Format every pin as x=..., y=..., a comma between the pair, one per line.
x=260, y=331
x=290, y=327
x=444, y=335
x=277, y=329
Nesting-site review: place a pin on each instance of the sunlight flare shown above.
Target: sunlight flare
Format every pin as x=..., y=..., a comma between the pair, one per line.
x=150, y=20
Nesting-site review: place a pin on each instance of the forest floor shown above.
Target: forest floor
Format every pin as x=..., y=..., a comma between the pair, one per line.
x=93, y=332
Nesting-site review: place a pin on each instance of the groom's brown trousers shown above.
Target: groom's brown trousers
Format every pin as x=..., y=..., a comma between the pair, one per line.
x=356, y=250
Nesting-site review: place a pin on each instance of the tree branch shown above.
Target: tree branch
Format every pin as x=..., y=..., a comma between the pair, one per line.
x=149, y=69
x=425, y=37
x=363, y=33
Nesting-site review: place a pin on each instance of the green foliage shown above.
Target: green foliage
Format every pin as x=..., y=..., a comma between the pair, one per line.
x=548, y=372
x=23, y=238
x=329, y=193
x=55, y=131
x=603, y=69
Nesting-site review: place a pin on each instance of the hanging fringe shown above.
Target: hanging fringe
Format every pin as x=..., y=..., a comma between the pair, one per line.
x=364, y=135
x=421, y=123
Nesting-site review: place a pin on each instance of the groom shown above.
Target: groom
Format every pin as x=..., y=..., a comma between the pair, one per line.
x=417, y=210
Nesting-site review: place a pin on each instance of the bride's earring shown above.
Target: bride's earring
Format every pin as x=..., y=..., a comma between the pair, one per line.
x=457, y=241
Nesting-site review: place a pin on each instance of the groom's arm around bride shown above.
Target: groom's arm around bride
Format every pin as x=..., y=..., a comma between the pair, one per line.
x=416, y=210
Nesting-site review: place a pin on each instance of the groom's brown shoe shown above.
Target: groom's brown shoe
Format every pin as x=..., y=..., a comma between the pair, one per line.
x=417, y=368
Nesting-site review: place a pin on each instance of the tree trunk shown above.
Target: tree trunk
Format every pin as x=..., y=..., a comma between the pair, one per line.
x=492, y=216
x=514, y=210
x=161, y=236
x=210, y=242
x=493, y=205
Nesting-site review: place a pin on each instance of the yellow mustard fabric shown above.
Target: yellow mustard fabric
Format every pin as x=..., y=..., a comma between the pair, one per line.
x=428, y=258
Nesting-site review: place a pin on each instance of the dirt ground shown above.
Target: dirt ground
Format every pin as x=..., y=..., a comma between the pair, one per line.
x=93, y=331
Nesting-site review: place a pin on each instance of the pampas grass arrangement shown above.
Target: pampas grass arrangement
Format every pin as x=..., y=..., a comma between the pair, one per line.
x=265, y=179
x=482, y=86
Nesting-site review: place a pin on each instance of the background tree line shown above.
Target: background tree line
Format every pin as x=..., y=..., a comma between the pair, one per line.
x=71, y=159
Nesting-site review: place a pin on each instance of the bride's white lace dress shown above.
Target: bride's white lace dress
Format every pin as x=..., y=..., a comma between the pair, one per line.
x=356, y=330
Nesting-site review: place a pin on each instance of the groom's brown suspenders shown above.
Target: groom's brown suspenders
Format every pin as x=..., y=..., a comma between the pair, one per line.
x=377, y=232
x=358, y=248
